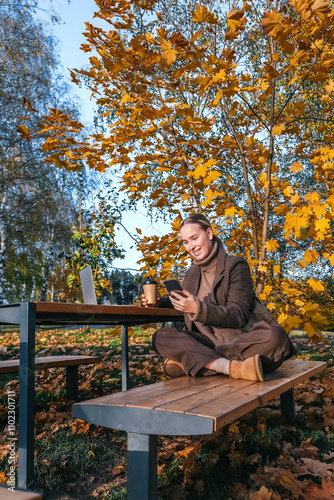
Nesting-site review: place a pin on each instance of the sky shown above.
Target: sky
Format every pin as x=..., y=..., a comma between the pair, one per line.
x=69, y=33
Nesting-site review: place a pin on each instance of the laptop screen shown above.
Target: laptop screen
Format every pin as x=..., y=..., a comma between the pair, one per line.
x=87, y=285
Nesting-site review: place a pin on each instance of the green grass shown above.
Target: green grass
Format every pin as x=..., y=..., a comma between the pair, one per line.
x=118, y=493
x=69, y=457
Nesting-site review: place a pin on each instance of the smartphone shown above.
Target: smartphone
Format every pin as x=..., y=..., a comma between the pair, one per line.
x=173, y=285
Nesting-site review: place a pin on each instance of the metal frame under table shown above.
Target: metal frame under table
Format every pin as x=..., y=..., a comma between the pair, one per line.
x=29, y=314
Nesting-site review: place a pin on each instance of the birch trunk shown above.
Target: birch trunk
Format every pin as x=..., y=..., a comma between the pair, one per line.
x=33, y=290
x=3, y=248
x=46, y=274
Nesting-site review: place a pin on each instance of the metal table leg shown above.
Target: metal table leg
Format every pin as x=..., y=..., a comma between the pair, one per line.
x=142, y=482
x=72, y=382
x=125, y=357
x=288, y=409
x=26, y=394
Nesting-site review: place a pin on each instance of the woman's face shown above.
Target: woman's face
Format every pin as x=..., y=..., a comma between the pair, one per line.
x=197, y=241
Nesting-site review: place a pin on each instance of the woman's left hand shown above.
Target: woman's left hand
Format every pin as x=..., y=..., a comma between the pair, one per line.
x=185, y=303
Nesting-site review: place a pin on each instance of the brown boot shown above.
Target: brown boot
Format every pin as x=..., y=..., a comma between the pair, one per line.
x=249, y=369
x=173, y=368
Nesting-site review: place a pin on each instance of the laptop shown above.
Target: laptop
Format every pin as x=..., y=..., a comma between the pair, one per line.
x=87, y=286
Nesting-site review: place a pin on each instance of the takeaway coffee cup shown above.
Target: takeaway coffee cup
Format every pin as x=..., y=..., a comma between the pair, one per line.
x=150, y=289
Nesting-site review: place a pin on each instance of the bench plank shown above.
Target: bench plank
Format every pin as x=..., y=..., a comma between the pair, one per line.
x=13, y=365
x=153, y=399
x=142, y=392
x=180, y=396
x=225, y=386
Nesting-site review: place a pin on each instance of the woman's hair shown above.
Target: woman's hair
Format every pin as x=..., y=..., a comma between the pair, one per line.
x=197, y=219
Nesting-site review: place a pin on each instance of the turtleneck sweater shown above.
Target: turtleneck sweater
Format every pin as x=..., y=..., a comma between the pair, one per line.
x=204, y=294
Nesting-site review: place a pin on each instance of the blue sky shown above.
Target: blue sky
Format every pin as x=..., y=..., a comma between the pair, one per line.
x=70, y=36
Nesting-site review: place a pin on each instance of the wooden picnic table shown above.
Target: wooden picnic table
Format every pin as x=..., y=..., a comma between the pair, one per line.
x=29, y=314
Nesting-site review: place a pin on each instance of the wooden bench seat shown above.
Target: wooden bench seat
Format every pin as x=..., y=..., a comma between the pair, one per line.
x=186, y=406
x=71, y=362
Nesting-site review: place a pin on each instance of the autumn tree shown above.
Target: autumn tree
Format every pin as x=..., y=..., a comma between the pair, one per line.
x=125, y=287
x=37, y=204
x=229, y=113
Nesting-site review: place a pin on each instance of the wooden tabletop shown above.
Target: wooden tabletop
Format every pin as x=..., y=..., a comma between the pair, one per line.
x=53, y=313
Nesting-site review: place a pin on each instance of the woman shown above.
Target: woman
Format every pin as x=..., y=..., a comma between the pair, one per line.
x=227, y=329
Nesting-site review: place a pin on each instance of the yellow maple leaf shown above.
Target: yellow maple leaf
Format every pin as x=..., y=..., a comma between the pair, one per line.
x=278, y=129
x=234, y=428
x=127, y=98
x=236, y=20
x=294, y=222
x=169, y=54
x=310, y=307
x=271, y=245
x=271, y=23
x=281, y=209
x=320, y=7
x=316, y=285
x=262, y=178
x=114, y=37
x=200, y=171
x=321, y=226
x=330, y=86
x=266, y=292
x=294, y=199
x=262, y=268
x=312, y=197
x=310, y=256
x=263, y=84
x=229, y=212
x=288, y=192
x=296, y=167
x=201, y=14
x=277, y=269
x=319, y=210
x=309, y=329
x=192, y=449
x=330, y=201
x=331, y=260
x=211, y=177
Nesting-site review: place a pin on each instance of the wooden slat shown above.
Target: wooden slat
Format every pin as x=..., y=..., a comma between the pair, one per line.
x=137, y=394
x=200, y=389
x=13, y=365
x=187, y=403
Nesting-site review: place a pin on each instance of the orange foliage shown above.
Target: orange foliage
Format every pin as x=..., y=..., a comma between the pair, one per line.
x=227, y=113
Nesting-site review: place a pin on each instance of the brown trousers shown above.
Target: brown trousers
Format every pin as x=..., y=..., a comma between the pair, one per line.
x=194, y=349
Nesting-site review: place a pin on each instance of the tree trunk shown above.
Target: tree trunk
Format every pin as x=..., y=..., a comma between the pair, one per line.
x=24, y=293
x=33, y=290
x=3, y=247
x=46, y=274
x=261, y=274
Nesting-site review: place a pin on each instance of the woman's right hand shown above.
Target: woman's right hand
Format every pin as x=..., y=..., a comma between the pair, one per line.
x=144, y=300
